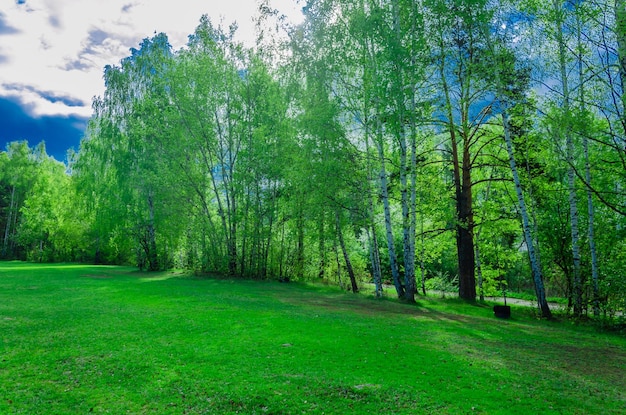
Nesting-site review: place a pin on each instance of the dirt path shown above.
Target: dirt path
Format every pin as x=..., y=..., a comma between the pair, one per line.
x=517, y=301
x=509, y=300
x=498, y=300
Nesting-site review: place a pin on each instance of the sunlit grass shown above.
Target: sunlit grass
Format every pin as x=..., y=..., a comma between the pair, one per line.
x=85, y=339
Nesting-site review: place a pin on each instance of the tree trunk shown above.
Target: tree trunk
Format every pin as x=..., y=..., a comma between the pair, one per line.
x=408, y=237
x=232, y=256
x=590, y=207
x=463, y=198
x=465, y=233
x=479, y=272
x=346, y=257
x=281, y=259
x=591, y=235
x=372, y=239
x=375, y=261
x=411, y=283
x=7, y=230
x=571, y=176
x=300, y=242
x=338, y=262
x=422, y=254
x=373, y=82
x=535, y=265
x=322, y=248
x=479, y=269
x=153, y=261
x=387, y=211
x=534, y=260
x=248, y=253
x=573, y=207
x=270, y=232
x=620, y=33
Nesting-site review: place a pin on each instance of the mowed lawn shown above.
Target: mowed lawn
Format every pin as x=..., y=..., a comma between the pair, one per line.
x=86, y=339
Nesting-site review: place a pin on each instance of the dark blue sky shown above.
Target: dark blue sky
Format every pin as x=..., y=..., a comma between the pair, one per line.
x=60, y=133
x=52, y=54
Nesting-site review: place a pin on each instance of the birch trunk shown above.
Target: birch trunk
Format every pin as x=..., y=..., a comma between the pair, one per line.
x=591, y=235
x=322, y=249
x=422, y=254
x=479, y=274
x=535, y=265
x=620, y=33
x=300, y=242
x=571, y=174
x=411, y=283
x=375, y=261
x=590, y=207
x=153, y=260
x=346, y=256
x=384, y=193
x=408, y=232
x=528, y=238
x=407, y=237
x=372, y=239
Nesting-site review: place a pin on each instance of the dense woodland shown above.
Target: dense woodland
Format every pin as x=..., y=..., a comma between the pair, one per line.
x=432, y=144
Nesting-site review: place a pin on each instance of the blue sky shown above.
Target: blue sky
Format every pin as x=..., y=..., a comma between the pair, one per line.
x=52, y=54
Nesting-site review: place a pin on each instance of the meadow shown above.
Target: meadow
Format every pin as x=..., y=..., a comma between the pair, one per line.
x=92, y=339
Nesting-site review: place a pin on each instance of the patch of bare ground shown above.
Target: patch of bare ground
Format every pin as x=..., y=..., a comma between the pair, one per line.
x=371, y=307
x=356, y=305
x=577, y=360
x=112, y=273
x=596, y=368
x=602, y=362
x=97, y=276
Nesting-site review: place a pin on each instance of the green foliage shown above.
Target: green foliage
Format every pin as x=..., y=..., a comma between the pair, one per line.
x=370, y=140
x=493, y=282
x=19, y=164
x=38, y=218
x=443, y=283
x=49, y=231
x=613, y=285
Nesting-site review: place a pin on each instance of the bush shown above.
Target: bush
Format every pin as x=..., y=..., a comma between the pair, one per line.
x=442, y=282
x=493, y=283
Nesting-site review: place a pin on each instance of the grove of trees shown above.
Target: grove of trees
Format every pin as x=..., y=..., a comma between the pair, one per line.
x=425, y=144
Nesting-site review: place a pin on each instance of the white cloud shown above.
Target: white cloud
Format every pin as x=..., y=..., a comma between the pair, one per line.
x=61, y=46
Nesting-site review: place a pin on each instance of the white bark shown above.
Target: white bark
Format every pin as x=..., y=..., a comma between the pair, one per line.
x=535, y=265
x=620, y=32
x=408, y=231
x=590, y=207
x=571, y=175
x=528, y=238
x=384, y=193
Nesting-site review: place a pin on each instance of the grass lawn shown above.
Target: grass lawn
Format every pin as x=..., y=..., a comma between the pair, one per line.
x=86, y=339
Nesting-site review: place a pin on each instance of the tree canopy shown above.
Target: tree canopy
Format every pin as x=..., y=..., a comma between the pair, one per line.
x=477, y=146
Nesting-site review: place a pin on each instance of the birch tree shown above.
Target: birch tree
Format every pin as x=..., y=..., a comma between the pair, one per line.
x=509, y=83
x=126, y=145
x=205, y=95
x=564, y=129
x=465, y=107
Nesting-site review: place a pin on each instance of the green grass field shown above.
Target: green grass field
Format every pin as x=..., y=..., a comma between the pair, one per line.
x=86, y=339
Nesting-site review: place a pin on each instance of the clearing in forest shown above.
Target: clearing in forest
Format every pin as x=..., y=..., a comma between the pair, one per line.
x=86, y=339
